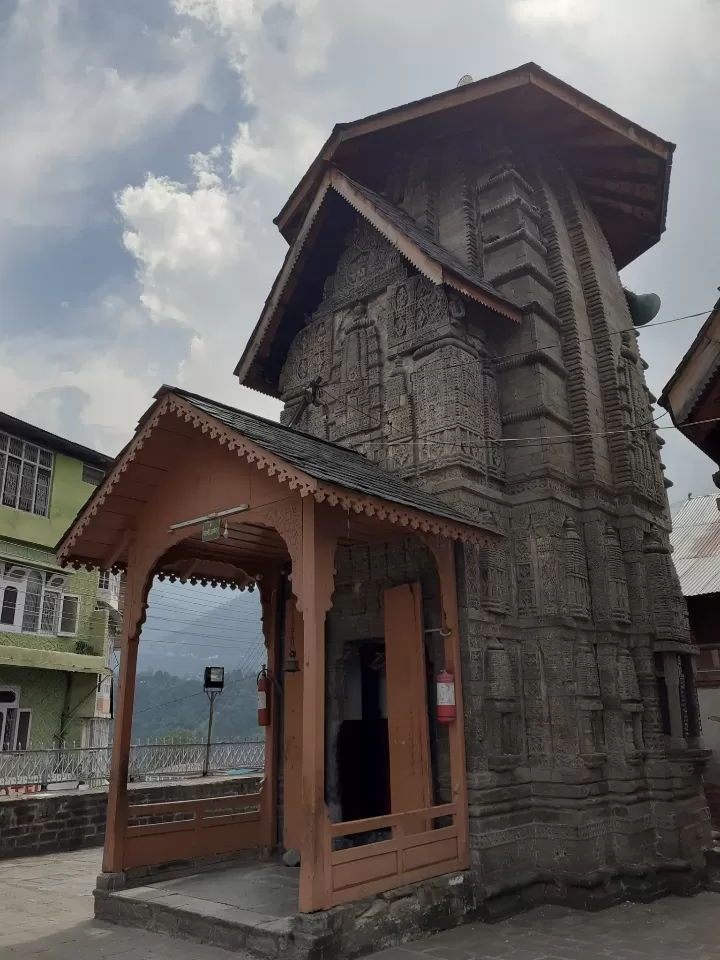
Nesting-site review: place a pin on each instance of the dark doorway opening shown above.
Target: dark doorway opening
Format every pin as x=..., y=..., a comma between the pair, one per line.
x=363, y=756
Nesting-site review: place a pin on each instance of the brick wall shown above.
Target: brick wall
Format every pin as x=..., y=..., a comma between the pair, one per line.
x=53, y=822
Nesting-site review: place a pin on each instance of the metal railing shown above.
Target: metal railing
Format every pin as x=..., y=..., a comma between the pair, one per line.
x=148, y=762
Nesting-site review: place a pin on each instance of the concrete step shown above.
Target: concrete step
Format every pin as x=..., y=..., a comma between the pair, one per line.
x=256, y=935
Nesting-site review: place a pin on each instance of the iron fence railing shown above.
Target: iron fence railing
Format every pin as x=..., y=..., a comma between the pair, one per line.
x=148, y=762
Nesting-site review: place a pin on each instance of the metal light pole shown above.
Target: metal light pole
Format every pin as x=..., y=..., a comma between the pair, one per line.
x=213, y=685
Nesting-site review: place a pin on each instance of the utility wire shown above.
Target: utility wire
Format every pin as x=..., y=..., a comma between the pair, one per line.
x=508, y=356
x=562, y=438
x=238, y=627
x=210, y=643
x=189, y=696
x=191, y=633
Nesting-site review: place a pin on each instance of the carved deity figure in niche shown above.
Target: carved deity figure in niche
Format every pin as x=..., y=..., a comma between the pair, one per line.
x=356, y=374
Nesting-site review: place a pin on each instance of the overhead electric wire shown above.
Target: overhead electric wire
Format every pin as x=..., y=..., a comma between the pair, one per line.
x=562, y=438
x=238, y=626
x=508, y=356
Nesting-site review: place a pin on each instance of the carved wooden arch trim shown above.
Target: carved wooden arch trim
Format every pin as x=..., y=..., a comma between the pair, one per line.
x=405, y=516
x=274, y=466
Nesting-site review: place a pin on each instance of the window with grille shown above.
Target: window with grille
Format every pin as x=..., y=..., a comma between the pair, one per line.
x=9, y=703
x=104, y=580
x=33, y=602
x=92, y=475
x=69, y=615
x=25, y=475
x=40, y=606
x=22, y=735
x=9, y=606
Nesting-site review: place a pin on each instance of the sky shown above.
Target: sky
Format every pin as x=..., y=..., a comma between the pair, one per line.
x=146, y=145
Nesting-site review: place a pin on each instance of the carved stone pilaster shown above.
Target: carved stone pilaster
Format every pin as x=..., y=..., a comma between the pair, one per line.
x=576, y=572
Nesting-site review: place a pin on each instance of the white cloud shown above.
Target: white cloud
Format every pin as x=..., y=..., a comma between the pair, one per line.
x=543, y=11
x=206, y=251
x=67, y=110
x=205, y=258
x=108, y=399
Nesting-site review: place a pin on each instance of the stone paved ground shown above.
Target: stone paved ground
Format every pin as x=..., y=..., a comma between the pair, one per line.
x=46, y=912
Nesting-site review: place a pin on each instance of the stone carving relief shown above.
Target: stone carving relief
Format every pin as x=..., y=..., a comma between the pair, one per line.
x=667, y=604
x=493, y=426
x=356, y=376
x=577, y=580
x=635, y=405
x=309, y=357
x=493, y=570
x=590, y=706
x=617, y=579
x=629, y=691
x=501, y=695
x=559, y=675
x=537, y=717
x=400, y=430
x=449, y=407
x=368, y=264
x=549, y=669
x=417, y=309
x=525, y=575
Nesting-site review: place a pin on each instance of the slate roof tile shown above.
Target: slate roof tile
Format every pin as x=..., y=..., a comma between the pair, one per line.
x=324, y=461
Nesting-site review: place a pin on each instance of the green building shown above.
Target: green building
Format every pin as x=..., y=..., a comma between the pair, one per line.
x=55, y=624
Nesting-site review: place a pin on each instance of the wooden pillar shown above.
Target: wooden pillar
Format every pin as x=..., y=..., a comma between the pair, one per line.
x=269, y=588
x=407, y=702
x=117, y=810
x=318, y=559
x=444, y=553
x=292, y=732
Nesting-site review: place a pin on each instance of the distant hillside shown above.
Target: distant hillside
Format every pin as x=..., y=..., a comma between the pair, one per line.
x=184, y=632
x=172, y=706
x=188, y=628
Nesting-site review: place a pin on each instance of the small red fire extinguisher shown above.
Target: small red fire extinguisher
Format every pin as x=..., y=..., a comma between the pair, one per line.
x=445, y=697
x=263, y=698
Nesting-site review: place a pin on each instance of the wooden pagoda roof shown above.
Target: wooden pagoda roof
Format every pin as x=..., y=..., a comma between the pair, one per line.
x=622, y=169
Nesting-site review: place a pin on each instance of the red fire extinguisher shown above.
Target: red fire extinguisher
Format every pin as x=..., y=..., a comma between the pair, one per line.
x=445, y=697
x=263, y=698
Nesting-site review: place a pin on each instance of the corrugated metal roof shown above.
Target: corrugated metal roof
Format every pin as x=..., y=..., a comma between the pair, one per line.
x=695, y=539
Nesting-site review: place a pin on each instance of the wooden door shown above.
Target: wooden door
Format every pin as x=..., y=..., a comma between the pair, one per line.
x=410, y=787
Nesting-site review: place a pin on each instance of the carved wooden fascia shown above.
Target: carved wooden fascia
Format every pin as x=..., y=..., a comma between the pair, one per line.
x=436, y=272
x=106, y=487
x=286, y=272
x=404, y=516
x=281, y=515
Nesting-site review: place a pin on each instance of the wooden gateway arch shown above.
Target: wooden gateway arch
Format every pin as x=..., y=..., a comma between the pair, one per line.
x=289, y=501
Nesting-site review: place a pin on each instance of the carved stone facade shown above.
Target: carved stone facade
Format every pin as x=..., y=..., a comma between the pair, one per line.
x=581, y=734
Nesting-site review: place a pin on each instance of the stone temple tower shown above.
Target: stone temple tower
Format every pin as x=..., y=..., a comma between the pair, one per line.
x=451, y=306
